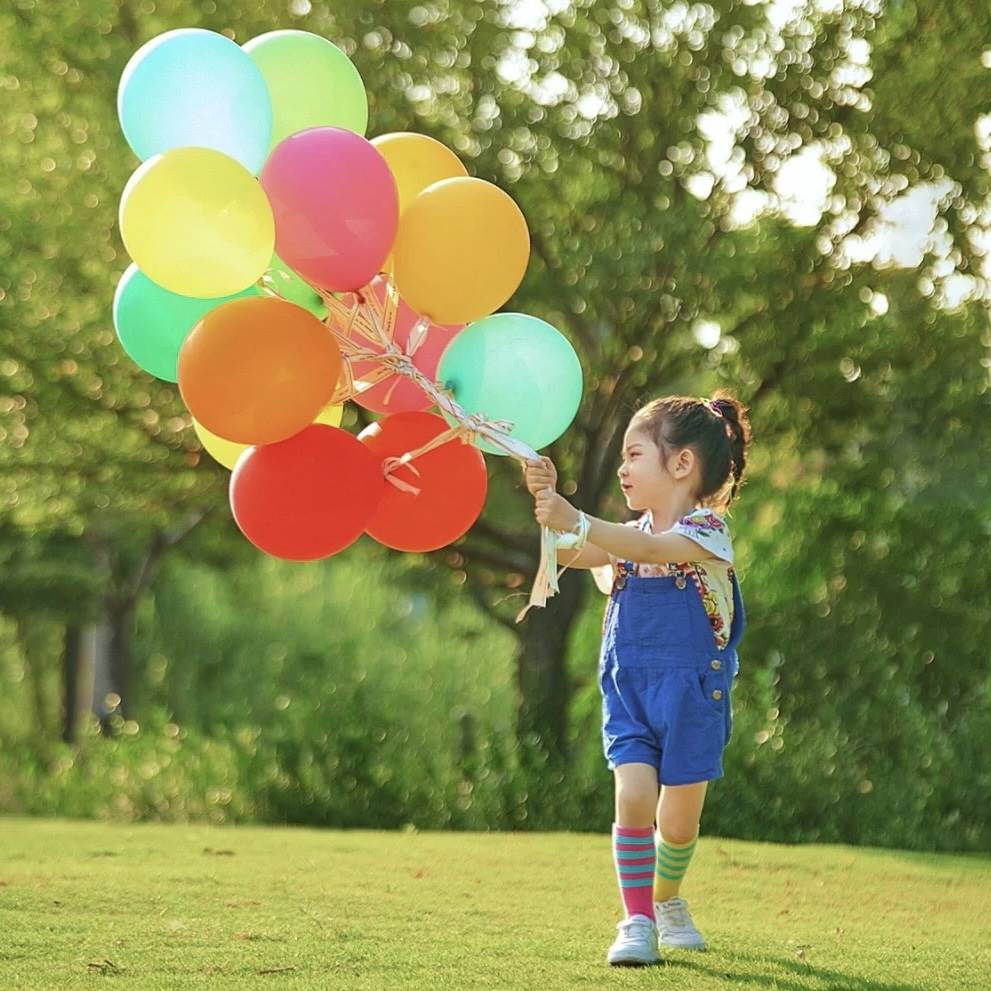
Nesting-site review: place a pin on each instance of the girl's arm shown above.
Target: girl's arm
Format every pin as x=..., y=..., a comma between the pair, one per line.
x=589, y=556
x=624, y=542
x=631, y=544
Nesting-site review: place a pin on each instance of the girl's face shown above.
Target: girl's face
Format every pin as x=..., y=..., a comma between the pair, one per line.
x=643, y=476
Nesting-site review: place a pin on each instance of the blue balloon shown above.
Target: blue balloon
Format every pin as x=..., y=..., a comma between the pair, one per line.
x=514, y=367
x=192, y=87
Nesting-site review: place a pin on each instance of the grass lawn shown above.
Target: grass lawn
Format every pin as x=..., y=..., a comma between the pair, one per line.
x=88, y=905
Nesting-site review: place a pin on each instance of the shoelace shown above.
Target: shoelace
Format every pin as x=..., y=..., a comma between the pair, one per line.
x=629, y=926
x=676, y=916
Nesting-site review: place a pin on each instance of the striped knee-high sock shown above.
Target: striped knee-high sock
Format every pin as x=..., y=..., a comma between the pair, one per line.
x=634, y=853
x=672, y=862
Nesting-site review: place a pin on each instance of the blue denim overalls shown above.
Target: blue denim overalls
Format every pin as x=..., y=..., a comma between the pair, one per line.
x=666, y=685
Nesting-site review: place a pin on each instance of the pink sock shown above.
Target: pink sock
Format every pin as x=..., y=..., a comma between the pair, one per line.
x=635, y=857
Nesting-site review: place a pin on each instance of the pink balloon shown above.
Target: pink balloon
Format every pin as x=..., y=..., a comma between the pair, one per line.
x=407, y=396
x=336, y=206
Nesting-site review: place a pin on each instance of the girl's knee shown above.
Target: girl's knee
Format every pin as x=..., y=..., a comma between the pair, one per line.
x=677, y=830
x=635, y=803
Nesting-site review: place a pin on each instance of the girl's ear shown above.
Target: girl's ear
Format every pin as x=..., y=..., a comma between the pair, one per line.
x=685, y=461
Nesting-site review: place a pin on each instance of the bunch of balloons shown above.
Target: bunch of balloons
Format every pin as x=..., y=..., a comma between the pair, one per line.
x=283, y=264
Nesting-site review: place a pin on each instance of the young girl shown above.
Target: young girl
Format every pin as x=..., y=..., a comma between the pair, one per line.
x=669, y=637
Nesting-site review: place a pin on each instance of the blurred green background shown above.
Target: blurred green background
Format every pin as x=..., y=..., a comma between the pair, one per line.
x=786, y=199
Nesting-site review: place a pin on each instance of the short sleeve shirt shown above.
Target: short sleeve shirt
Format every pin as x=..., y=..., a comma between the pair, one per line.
x=713, y=576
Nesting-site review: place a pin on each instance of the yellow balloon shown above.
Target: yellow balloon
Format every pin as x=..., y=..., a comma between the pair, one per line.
x=197, y=223
x=417, y=161
x=226, y=452
x=331, y=415
x=461, y=251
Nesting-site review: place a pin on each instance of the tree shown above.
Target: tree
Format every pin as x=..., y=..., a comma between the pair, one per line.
x=603, y=120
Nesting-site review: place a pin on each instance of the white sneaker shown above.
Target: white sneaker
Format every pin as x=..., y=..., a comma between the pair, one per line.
x=636, y=943
x=676, y=926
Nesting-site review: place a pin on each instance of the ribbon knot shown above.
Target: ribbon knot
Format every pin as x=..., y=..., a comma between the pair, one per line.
x=374, y=320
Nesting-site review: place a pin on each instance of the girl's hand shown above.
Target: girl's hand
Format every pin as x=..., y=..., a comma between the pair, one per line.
x=554, y=511
x=540, y=475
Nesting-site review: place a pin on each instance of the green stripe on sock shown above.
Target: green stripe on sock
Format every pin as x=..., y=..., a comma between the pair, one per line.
x=679, y=846
x=672, y=862
x=683, y=854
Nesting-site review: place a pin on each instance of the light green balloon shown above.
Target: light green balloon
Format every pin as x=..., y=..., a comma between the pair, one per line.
x=311, y=81
x=515, y=367
x=281, y=279
x=152, y=322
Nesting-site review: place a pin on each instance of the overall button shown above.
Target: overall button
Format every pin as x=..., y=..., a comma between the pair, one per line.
x=680, y=582
x=716, y=665
x=717, y=694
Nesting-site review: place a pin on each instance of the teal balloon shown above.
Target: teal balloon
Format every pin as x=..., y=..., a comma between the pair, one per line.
x=152, y=322
x=195, y=87
x=515, y=367
x=281, y=279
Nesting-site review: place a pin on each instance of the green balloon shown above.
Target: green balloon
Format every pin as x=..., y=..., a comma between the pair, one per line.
x=515, y=367
x=152, y=322
x=281, y=279
x=311, y=81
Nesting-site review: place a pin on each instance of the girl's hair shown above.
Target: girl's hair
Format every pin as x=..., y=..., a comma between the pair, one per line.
x=720, y=439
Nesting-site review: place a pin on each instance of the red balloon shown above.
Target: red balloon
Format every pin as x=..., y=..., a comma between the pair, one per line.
x=309, y=496
x=453, y=484
x=407, y=396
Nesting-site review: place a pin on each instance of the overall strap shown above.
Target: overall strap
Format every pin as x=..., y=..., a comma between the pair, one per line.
x=739, y=614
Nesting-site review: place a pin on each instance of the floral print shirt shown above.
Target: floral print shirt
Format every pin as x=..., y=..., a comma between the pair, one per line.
x=712, y=576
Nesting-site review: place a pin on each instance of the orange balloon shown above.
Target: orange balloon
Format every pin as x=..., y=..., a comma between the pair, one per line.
x=256, y=371
x=416, y=161
x=461, y=251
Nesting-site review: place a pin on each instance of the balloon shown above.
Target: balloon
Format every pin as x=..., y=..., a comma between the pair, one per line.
x=331, y=415
x=197, y=223
x=452, y=480
x=416, y=162
x=515, y=367
x=152, y=322
x=312, y=83
x=461, y=250
x=283, y=280
x=306, y=497
x=226, y=452
x=407, y=395
x=192, y=87
x=335, y=205
x=257, y=371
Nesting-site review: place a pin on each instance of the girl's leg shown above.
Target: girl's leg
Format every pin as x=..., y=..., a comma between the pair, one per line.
x=678, y=812
x=637, y=790
x=633, y=836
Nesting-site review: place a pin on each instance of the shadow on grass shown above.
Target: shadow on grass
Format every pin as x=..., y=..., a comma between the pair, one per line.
x=828, y=980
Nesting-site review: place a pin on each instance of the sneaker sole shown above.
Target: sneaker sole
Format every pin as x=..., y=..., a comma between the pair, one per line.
x=685, y=946
x=634, y=961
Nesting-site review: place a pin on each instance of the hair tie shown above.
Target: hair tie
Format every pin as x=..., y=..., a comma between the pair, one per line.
x=712, y=407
